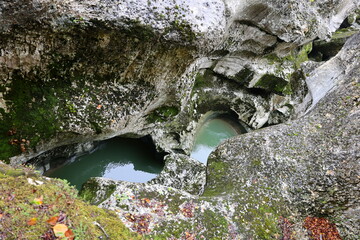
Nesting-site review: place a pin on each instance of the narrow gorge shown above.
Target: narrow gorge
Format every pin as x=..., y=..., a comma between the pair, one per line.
x=180, y=119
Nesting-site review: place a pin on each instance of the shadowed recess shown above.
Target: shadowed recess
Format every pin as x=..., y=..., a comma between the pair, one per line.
x=133, y=160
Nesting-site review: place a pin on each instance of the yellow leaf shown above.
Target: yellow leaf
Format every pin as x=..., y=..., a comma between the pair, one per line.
x=60, y=230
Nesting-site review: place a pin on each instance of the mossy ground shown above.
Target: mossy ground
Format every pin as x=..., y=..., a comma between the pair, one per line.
x=18, y=206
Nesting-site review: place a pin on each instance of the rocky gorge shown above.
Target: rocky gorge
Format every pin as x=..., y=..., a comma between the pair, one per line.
x=73, y=73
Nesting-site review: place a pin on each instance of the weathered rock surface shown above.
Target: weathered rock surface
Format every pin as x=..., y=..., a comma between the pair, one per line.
x=80, y=71
x=182, y=172
x=307, y=167
x=77, y=71
x=311, y=164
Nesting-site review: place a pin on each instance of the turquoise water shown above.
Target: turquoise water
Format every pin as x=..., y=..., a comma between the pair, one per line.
x=210, y=135
x=119, y=159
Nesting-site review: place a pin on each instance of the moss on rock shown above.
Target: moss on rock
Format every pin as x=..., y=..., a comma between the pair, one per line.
x=162, y=114
x=37, y=199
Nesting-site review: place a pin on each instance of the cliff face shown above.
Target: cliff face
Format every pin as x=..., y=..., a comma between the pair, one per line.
x=263, y=184
x=72, y=72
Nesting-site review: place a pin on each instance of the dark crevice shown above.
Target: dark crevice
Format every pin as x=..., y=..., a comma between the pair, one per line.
x=345, y=24
x=259, y=92
x=253, y=24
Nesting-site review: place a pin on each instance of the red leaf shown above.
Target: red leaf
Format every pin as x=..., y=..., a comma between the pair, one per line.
x=69, y=234
x=52, y=220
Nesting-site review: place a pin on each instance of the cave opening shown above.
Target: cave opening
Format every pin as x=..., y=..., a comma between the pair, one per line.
x=119, y=158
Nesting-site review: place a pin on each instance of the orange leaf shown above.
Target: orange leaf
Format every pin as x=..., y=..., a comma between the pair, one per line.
x=52, y=220
x=38, y=201
x=60, y=230
x=69, y=234
x=32, y=222
x=99, y=106
x=1, y=216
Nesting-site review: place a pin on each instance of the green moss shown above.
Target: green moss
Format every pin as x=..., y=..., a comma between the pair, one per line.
x=217, y=172
x=203, y=79
x=272, y=83
x=57, y=198
x=217, y=225
x=257, y=214
x=244, y=76
x=296, y=57
x=91, y=187
x=183, y=27
x=344, y=33
x=32, y=114
x=256, y=162
x=162, y=114
x=171, y=229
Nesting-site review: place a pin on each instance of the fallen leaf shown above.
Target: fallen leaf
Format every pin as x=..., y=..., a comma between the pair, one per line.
x=52, y=220
x=60, y=230
x=69, y=234
x=99, y=106
x=32, y=221
x=38, y=201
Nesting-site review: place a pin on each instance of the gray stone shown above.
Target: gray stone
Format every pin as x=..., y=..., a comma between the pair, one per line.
x=182, y=172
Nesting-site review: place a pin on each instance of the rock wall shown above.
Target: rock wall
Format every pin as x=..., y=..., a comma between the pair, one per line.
x=73, y=72
x=263, y=184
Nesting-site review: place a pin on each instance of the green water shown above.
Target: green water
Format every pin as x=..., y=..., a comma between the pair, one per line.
x=119, y=159
x=210, y=135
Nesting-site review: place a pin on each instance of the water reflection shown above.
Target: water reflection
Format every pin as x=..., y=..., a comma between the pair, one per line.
x=210, y=135
x=119, y=159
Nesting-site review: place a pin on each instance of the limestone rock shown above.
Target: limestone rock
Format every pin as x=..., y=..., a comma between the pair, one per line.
x=182, y=172
x=292, y=21
x=311, y=164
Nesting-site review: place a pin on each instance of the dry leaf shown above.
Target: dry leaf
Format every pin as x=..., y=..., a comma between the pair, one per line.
x=52, y=220
x=60, y=230
x=32, y=221
x=69, y=234
x=38, y=201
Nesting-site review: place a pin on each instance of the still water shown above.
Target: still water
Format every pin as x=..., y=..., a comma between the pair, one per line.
x=125, y=159
x=211, y=134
